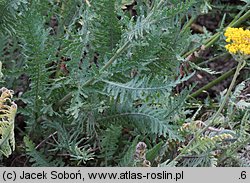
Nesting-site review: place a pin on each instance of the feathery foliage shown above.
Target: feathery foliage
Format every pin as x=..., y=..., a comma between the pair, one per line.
x=11, y=11
x=102, y=77
x=38, y=159
x=7, y=117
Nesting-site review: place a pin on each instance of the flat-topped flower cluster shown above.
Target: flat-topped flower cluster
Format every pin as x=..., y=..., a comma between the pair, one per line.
x=239, y=40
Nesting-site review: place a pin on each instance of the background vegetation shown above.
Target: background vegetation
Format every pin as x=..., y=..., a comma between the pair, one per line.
x=122, y=83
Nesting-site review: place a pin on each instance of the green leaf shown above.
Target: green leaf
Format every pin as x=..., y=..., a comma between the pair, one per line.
x=128, y=158
x=152, y=154
x=7, y=118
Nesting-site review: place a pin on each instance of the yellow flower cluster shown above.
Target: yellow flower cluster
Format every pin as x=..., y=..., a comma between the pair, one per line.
x=239, y=40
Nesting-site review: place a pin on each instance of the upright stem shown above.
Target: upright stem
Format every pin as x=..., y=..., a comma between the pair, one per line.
x=216, y=36
x=241, y=19
x=237, y=72
x=240, y=65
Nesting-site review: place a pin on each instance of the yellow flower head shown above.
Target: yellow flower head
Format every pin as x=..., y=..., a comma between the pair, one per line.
x=238, y=39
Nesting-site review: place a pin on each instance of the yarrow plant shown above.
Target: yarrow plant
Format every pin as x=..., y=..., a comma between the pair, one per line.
x=106, y=83
x=239, y=40
x=240, y=50
x=239, y=47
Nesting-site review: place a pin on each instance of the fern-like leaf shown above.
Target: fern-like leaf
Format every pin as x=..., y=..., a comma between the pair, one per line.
x=128, y=157
x=37, y=158
x=107, y=31
x=147, y=119
x=140, y=88
x=10, y=11
x=7, y=117
x=109, y=141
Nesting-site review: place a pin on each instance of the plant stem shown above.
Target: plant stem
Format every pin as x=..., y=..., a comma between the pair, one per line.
x=237, y=72
x=204, y=62
x=239, y=67
x=239, y=146
x=216, y=36
x=109, y=63
x=242, y=145
x=91, y=80
x=120, y=51
x=188, y=24
x=67, y=97
x=237, y=20
x=213, y=83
